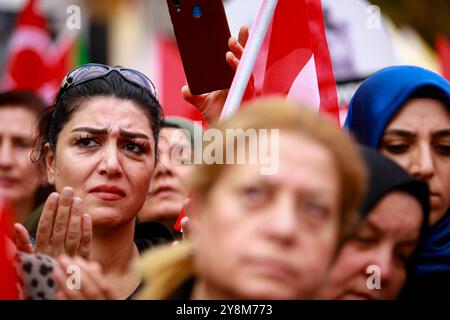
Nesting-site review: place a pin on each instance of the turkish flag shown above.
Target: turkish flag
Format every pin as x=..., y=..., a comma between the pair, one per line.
x=295, y=58
x=34, y=63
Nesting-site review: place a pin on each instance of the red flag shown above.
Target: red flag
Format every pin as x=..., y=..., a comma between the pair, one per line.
x=8, y=276
x=33, y=62
x=168, y=75
x=297, y=62
x=443, y=50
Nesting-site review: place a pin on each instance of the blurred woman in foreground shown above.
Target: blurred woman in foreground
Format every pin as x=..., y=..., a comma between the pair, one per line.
x=256, y=236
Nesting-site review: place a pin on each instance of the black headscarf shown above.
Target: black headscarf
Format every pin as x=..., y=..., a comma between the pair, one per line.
x=385, y=177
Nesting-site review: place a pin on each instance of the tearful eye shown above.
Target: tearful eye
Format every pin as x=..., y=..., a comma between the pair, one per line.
x=134, y=148
x=86, y=142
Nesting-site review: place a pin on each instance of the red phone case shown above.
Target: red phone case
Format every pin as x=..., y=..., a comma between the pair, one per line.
x=203, y=43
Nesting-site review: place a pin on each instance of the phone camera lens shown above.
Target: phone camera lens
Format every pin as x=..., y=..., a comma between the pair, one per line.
x=197, y=12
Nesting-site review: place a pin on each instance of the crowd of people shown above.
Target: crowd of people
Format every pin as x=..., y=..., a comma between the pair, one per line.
x=101, y=180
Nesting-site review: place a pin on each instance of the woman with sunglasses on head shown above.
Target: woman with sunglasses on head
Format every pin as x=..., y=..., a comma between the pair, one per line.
x=98, y=146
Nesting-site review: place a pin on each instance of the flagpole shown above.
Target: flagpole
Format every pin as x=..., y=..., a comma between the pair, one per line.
x=247, y=63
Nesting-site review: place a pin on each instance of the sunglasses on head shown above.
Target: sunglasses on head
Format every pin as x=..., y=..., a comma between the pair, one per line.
x=93, y=71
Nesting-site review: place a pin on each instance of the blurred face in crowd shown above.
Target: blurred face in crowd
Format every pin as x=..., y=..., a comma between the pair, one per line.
x=18, y=177
x=385, y=239
x=106, y=154
x=168, y=191
x=418, y=139
x=269, y=236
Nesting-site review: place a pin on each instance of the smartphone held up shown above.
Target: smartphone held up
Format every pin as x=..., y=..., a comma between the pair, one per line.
x=202, y=33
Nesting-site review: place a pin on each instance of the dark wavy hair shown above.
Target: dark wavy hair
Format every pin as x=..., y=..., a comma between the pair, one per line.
x=71, y=100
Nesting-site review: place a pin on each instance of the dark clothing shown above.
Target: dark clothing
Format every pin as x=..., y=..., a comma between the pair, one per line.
x=33, y=220
x=432, y=278
x=431, y=286
x=385, y=177
x=153, y=233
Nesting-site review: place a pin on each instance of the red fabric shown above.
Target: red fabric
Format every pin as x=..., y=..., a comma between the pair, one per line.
x=172, y=79
x=8, y=276
x=289, y=48
x=295, y=40
x=177, y=225
x=443, y=49
x=327, y=83
x=33, y=62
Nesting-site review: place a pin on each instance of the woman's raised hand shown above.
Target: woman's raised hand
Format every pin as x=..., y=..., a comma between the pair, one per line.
x=64, y=228
x=211, y=104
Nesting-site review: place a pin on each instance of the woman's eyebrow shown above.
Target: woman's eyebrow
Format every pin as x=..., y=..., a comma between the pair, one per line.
x=400, y=132
x=441, y=134
x=129, y=134
x=124, y=133
x=91, y=130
